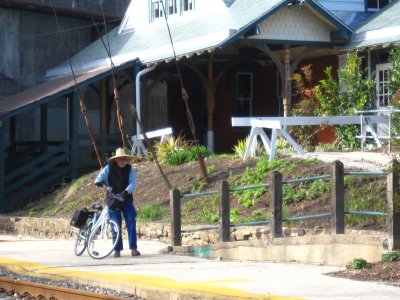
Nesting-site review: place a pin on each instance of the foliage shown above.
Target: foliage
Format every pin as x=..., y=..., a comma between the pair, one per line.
x=291, y=194
x=198, y=185
x=316, y=188
x=176, y=158
x=283, y=146
x=390, y=256
x=366, y=199
x=353, y=91
x=186, y=155
x=200, y=210
x=170, y=147
x=394, y=89
x=307, y=106
x=234, y=216
x=152, y=212
x=394, y=74
x=86, y=199
x=360, y=263
x=240, y=148
x=257, y=176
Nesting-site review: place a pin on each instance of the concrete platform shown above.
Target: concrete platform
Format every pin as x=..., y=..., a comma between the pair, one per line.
x=167, y=276
x=369, y=161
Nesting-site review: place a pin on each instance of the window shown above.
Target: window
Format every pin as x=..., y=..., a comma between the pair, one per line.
x=156, y=10
x=172, y=7
x=377, y=4
x=187, y=5
x=382, y=87
x=244, y=94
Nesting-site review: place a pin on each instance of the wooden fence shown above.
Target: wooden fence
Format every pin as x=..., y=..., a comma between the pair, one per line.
x=337, y=212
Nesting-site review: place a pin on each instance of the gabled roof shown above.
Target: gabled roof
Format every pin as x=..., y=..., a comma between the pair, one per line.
x=151, y=44
x=381, y=30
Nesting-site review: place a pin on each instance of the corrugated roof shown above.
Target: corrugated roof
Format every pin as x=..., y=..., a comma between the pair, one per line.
x=381, y=29
x=151, y=44
x=44, y=92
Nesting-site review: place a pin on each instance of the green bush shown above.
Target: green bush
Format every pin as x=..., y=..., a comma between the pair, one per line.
x=390, y=256
x=176, y=158
x=185, y=155
x=336, y=101
x=191, y=152
x=169, y=147
x=360, y=263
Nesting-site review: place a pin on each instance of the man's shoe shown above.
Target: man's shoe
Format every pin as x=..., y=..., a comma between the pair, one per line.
x=117, y=253
x=134, y=252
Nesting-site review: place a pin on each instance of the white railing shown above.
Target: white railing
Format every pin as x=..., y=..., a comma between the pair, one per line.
x=138, y=147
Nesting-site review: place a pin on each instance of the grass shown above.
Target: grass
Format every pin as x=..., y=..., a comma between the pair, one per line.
x=365, y=193
x=152, y=213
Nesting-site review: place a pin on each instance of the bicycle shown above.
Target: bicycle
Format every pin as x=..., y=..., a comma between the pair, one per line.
x=98, y=231
x=84, y=231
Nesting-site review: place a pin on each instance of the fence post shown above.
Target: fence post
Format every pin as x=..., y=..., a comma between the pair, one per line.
x=276, y=205
x=175, y=207
x=393, y=205
x=337, y=198
x=224, y=214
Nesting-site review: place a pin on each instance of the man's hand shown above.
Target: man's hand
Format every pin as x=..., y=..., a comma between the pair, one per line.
x=125, y=194
x=99, y=184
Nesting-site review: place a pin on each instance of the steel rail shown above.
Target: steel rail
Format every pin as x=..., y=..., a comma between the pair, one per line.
x=50, y=292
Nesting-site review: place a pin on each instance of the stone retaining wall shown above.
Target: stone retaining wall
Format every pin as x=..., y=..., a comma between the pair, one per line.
x=47, y=228
x=315, y=246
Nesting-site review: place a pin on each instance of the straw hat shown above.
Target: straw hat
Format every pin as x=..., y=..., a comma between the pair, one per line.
x=120, y=152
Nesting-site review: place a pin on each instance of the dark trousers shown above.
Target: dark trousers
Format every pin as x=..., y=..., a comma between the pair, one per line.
x=129, y=213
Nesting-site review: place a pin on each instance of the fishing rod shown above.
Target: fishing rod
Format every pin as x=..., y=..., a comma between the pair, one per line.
x=185, y=99
x=77, y=91
x=134, y=111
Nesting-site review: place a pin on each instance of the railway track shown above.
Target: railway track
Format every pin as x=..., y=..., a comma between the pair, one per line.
x=42, y=291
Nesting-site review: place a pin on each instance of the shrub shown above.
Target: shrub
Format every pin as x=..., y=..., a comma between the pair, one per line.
x=176, y=158
x=360, y=263
x=191, y=152
x=390, y=256
x=352, y=92
x=169, y=147
x=307, y=106
x=240, y=148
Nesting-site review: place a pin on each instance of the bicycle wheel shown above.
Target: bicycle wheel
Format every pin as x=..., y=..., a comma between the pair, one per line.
x=103, y=239
x=81, y=240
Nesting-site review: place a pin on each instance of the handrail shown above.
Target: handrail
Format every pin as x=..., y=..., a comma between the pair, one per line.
x=289, y=218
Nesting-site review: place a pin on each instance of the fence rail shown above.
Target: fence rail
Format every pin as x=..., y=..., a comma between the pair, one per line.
x=336, y=214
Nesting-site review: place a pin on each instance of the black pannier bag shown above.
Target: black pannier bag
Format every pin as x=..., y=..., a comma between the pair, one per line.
x=79, y=218
x=115, y=202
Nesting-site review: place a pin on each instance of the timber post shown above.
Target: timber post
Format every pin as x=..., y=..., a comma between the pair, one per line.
x=224, y=214
x=276, y=205
x=74, y=139
x=337, y=198
x=393, y=205
x=175, y=206
x=2, y=170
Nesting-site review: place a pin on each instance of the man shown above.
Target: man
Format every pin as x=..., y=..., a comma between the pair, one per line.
x=121, y=177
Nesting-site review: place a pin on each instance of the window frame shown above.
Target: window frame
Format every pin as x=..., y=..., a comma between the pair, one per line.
x=189, y=3
x=249, y=98
x=378, y=7
x=178, y=8
x=385, y=67
x=160, y=14
x=174, y=6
